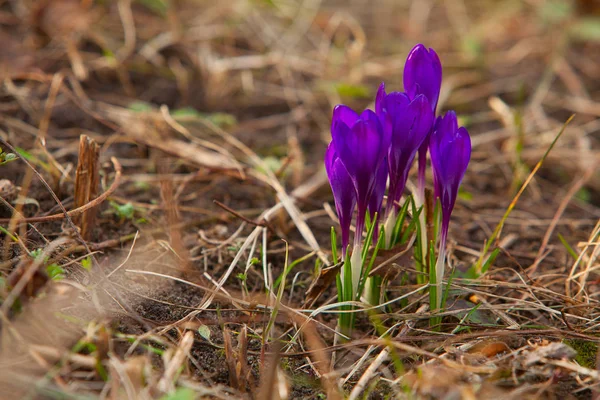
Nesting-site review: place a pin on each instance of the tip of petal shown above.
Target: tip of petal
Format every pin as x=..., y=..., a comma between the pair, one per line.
x=446, y=124
x=452, y=115
x=420, y=48
x=343, y=113
x=368, y=115
x=417, y=48
x=434, y=57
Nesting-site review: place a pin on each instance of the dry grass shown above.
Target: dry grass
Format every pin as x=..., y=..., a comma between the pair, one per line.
x=211, y=120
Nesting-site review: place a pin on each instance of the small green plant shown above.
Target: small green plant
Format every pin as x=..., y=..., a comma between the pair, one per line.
x=181, y=393
x=123, y=211
x=204, y=331
x=140, y=106
x=352, y=91
x=32, y=159
x=55, y=271
x=86, y=263
x=6, y=157
x=220, y=119
x=243, y=278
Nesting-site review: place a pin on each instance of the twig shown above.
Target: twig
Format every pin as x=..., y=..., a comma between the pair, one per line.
x=262, y=223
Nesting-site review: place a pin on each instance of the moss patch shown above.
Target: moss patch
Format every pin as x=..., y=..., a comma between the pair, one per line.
x=586, y=352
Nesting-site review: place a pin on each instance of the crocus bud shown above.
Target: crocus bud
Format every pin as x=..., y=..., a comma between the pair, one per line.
x=344, y=194
x=450, y=149
x=423, y=74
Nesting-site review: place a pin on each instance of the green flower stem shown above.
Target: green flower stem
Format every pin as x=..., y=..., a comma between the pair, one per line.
x=422, y=232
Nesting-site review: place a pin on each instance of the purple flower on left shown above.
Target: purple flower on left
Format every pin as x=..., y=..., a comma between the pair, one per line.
x=360, y=144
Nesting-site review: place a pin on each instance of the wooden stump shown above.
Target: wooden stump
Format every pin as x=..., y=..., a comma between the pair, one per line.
x=87, y=179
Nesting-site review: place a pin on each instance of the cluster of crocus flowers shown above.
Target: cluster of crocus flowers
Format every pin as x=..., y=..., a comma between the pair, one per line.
x=375, y=150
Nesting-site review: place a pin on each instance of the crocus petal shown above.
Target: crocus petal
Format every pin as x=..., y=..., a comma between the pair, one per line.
x=343, y=192
x=377, y=197
x=379, y=190
x=423, y=74
x=343, y=113
x=447, y=122
x=411, y=122
x=361, y=146
x=367, y=156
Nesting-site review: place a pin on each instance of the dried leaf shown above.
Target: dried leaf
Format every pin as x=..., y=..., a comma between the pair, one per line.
x=490, y=348
x=387, y=263
x=8, y=190
x=230, y=358
x=326, y=277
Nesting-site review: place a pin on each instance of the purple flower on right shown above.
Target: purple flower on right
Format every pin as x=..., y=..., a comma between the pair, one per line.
x=450, y=149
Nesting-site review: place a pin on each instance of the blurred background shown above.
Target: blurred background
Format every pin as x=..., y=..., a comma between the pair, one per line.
x=274, y=69
x=271, y=71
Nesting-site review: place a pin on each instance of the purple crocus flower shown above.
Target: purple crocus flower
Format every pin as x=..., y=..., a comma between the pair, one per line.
x=343, y=193
x=450, y=148
x=361, y=142
x=423, y=75
x=411, y=121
